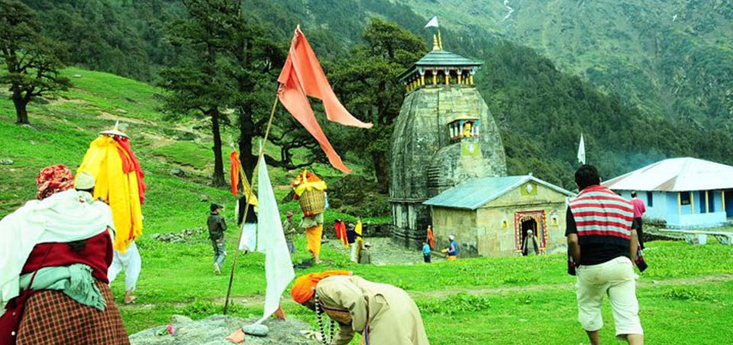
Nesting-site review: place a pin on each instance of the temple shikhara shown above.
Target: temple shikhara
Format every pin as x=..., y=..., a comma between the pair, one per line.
x=443, y=136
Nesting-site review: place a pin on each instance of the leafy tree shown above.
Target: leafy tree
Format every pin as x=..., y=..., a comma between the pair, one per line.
x=367, y=83
x=31, y=60
x=198, y=85
x=256, y=61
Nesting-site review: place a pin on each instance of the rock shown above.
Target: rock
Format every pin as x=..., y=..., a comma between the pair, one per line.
x=185, y=235
x=77, y=75
x=213, y=330
x=177, y=172
x=31, y=128
x=7, y=161
x=180, y=320
x=256, y=330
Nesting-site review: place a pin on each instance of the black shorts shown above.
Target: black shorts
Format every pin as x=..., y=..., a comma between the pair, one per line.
x=636, y=224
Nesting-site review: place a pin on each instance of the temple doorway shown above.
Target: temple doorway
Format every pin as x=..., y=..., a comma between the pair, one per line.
x=528, y=224
x=525, y=221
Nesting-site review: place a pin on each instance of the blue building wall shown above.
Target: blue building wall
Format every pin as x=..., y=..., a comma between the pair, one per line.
x=664, y=206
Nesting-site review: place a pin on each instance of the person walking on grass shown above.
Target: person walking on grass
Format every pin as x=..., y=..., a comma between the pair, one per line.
x=637, y=224
x=217, y=225
x=601, y=242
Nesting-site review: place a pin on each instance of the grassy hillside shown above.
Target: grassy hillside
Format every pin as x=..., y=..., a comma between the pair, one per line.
x=473, y=301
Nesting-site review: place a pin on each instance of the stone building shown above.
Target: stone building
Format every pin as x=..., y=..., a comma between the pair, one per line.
x=444, y=135
x=491, y=216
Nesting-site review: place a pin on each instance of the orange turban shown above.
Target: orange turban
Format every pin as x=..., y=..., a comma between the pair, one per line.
x=303, y=288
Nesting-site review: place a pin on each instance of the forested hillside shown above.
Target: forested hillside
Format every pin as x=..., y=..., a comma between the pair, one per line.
x=540, y=109
x=671, y=58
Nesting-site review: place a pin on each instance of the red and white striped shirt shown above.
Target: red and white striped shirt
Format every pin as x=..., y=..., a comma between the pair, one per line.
x=602, y=216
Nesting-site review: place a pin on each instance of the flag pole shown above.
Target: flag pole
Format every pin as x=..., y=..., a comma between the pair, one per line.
x=249, y=197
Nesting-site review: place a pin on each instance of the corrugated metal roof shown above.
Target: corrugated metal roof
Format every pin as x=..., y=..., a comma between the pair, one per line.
x=676, y=175
x=477, y=192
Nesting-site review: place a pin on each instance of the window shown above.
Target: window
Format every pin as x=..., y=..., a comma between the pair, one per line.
x=711, y=201
x=650, y=199
x=701, y=197
x=684, y=198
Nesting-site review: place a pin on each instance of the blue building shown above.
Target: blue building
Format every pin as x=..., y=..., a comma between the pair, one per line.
x=683, y=192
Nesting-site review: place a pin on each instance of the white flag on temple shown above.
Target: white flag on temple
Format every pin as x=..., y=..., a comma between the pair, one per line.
x=271, y=241
x=433, y=23
x=581, y=150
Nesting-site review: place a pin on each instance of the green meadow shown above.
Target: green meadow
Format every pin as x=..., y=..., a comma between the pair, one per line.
x=686, y=296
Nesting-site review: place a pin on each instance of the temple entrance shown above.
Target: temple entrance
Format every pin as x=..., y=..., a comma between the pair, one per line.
x=528, y=224
x=525, y=221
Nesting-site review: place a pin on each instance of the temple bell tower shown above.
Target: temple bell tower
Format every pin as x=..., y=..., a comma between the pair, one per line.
x=443, y=136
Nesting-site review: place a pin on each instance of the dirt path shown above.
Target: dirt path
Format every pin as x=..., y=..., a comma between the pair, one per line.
x=259, y=300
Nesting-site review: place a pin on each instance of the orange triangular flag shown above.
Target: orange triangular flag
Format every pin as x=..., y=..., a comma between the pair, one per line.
x=303, y=76
x=235, y=166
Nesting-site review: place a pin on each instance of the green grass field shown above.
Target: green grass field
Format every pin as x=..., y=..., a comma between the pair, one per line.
x=686, y=296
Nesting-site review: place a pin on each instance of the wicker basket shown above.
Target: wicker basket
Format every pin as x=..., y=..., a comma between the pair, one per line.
x=312, y=202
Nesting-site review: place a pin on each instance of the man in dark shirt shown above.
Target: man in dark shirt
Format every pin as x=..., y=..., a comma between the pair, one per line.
x=601, y=242
x=217, y=225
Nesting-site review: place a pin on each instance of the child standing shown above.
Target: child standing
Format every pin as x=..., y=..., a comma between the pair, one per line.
x=426, y=252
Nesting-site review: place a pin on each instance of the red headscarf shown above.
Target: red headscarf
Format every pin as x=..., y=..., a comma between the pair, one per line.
x=52, y=180
x=304, y=286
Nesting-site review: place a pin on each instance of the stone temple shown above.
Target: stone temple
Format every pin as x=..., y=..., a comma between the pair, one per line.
x=443, y=136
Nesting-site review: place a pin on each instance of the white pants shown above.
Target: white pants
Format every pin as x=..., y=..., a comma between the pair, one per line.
x=131, y=262
x=615, y=278
x=249, y=237
x=353, y=251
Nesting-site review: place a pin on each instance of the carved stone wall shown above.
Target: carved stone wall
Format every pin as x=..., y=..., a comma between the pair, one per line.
x=425, y=161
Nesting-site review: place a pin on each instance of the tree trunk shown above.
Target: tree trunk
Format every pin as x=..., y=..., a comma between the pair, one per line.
x=21, y=113
x=246, y=133
x=218, y=178
x=381, y=169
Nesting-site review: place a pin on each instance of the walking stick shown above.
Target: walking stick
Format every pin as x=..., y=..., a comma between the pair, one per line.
x=249, y=197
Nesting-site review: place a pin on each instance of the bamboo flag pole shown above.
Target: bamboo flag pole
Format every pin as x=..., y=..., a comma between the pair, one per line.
x=249, y=197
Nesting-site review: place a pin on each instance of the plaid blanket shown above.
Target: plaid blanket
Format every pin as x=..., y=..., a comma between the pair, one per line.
x=55, y=319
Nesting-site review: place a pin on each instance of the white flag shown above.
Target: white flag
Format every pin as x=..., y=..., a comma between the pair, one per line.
x=433, y=23
x=271, y=241
x=581, y=150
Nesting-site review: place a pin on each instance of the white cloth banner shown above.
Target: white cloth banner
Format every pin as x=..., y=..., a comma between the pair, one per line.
x=581, y=150
x=271, y=239
x=433, y=23
x=249, y=237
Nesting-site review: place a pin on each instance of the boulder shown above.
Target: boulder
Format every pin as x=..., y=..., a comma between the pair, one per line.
x=214, y=329
x=177, y=172
x=7, y=161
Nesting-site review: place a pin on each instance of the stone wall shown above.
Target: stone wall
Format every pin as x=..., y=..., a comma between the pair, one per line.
x=422, y=151
x=490, y=230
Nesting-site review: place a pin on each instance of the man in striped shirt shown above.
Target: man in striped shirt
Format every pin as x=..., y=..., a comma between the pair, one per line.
x=601, y=242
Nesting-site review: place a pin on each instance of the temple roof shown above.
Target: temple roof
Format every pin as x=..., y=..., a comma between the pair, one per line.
x=440, y=59
x=478, y=192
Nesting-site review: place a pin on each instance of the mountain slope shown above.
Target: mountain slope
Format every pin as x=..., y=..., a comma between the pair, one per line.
x=671, y=58
x=541, y=110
